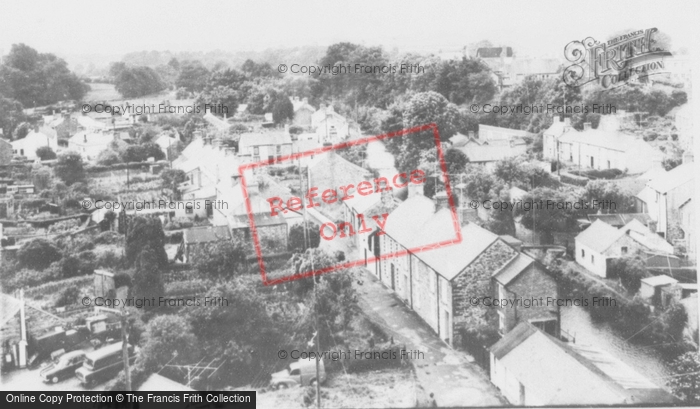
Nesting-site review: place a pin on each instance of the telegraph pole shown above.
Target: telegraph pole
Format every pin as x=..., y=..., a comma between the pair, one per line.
x=313, y=277
x=125, y=344
x=125, y=352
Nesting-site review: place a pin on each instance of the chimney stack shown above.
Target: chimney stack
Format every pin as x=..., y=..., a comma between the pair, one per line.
x=471, y=134
x=687, y=157
x=415, y=190
x=586, y=126
x=441, y=201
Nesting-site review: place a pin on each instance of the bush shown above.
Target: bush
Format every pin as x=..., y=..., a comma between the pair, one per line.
x=122, y=279
x=109, y=259
x=108, y=237
x=30, y=278
x=64, y=226
x=67, y=296
x=80, y=265
x=38, y=254
x=189, y=287
x=108, y=157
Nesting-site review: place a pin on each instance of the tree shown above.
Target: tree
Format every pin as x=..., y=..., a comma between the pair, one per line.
x=282, y=109
x=165, y=336
x=220, y=259
x=193, y=76
x=147, y=276
x=145, y=233
x=686, y=383
x=423, y=109
x=11, y=115
x=134, y=82
x=36, y=79
x=239, y=332
x=152, y=150
x=45, y=153
x=171, y=178
x=630, y=270
x=108, y=157
x=134, y=153
x=222, y=99
x=296, y=241
x=501, y=221
x=456, y=161
x=42, y=178
x=38, y=254
x=69, y=167
x=604, y=191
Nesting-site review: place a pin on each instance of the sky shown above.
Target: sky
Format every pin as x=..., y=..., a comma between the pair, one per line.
x=535, y=28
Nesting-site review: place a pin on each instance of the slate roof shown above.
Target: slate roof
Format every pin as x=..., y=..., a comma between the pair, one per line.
x=88, y=138
x=416, y=225
x=641, y=234
x=216, y=122
x=672, y=179
x=517, y=265
x=599, y=236
x=613, y=140
x=659, y=280
x=10, y=306
x=620, y=219
x=569, y=373
x=263, y=138
x=459, y=140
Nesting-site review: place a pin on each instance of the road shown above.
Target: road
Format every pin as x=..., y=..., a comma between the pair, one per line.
x=451, y=375
x=29, y=380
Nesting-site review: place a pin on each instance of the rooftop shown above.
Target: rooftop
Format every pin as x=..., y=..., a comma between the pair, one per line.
x=599, y=236
x=665, y=182
x=659, y=280
x=263, y=138
x=568, y=373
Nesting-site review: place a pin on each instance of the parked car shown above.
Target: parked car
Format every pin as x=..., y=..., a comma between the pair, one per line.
x=300, y=373
x=103, y=364
x=62, y=367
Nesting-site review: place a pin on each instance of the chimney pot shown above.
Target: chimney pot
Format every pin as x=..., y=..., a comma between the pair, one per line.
x=441, y=201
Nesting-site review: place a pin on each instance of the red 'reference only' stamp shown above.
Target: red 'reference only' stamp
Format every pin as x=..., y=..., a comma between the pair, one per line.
x=307, y=202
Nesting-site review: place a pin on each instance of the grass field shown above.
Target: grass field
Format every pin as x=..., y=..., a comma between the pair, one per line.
x=102, y=92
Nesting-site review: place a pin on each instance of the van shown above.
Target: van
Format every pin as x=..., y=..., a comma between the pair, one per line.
x=301, y=373
x=103, y=364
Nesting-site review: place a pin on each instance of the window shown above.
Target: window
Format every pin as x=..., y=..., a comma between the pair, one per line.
x=189, y=209
x=608, y=164
x=583, y=253
x=592, y=259
x=279, y=149
x=256, y=151
x=623, y=250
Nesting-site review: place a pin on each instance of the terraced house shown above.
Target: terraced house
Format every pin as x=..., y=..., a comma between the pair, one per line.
x=441, y=282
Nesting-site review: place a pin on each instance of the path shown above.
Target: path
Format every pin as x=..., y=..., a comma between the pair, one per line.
x=451, y=375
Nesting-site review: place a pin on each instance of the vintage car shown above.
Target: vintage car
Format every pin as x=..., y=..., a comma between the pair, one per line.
x=300, y=373
x=62, y=367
